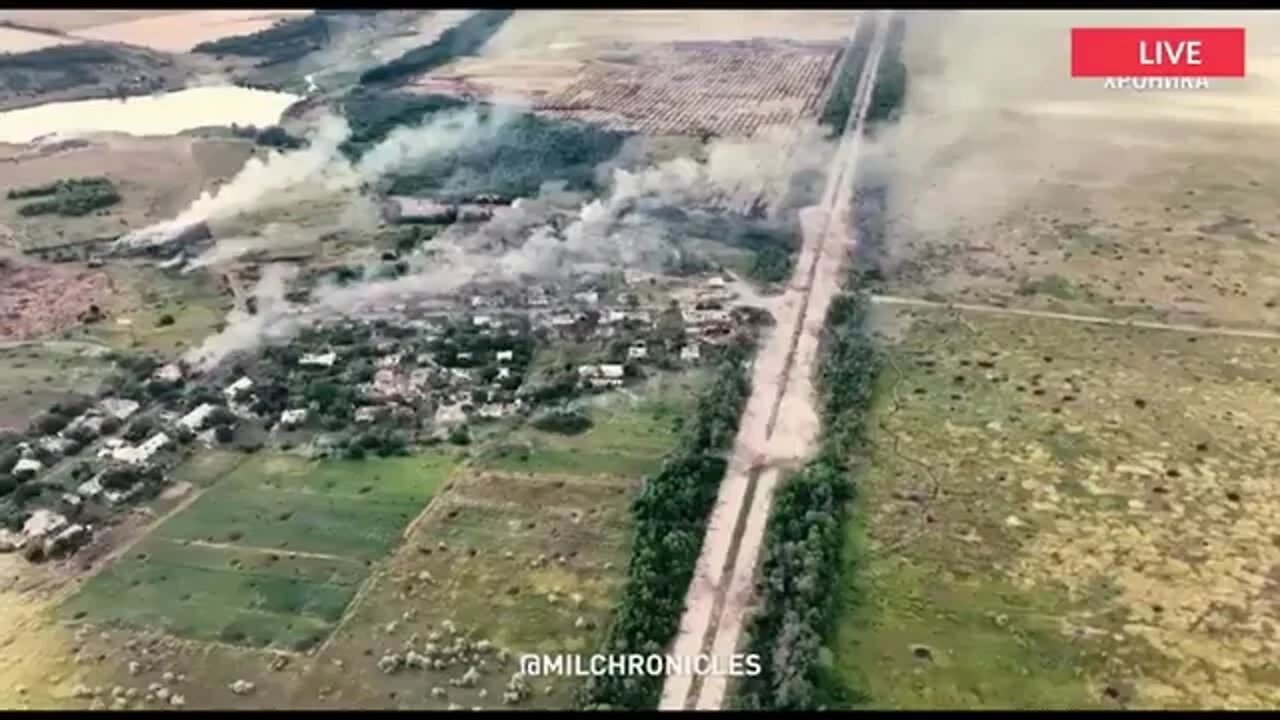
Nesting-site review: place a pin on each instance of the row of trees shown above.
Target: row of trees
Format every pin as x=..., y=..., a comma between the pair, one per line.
x=891, y=77
x=465, y=38
x=670, y=517
x=840, y=101
x=799, y=580
x=73, y=197
x=797, y=585
x=285, y=41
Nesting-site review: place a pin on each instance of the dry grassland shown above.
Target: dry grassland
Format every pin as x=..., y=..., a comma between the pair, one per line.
x=155, y=176
x=1065, y=515
x=178, y=32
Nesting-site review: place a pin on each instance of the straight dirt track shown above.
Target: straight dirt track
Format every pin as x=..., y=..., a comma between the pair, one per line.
x=779, y=425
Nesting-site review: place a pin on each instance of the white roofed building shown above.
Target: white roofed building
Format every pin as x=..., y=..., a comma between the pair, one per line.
x=238, y=388
x=318, y=359
x=195, y=419
x=119, y=408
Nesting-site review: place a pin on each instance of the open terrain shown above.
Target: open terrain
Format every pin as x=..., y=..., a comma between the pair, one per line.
x=1061, y=509
x=268, y=556
x=319, y=571
x=1060, y=514
x=35, y=375
x=19, y=40
x=155, y=177
x=717, y=72
x=1037, y=193
x=178, y=32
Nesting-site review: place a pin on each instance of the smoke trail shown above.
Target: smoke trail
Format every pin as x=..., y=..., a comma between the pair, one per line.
x=245, y=331
x=531, y=239
x=320, y=169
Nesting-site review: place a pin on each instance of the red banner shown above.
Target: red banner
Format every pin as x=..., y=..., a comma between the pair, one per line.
x=1157, y=52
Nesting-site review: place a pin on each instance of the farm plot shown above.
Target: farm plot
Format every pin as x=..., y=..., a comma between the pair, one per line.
x=178, y=32
x=629, y=436
x=732, y=89
x=156, y=177
x=153, y=310
x=269, y=556
x=1064, y=515
x=38, y=299
x=34, y=376
x=500, y=565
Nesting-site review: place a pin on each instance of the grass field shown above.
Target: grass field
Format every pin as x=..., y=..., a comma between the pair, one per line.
x=270, y=555
x=630, y=435
x=34, y=376
x=145, y=294
x=1064, y=515
x=528, y=555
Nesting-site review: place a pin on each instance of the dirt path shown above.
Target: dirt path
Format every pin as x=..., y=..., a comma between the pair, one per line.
x=779, y=426
x=262, y=550
x=1071, y=317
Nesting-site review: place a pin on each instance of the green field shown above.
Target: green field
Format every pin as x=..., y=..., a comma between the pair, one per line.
x=34, y=376
x=271, y=554
x=145, y=295
x=1059, y=515
x=628, y=437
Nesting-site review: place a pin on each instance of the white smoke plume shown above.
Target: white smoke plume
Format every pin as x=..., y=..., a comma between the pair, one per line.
x=243, y=330
x=528, y=240
x=320, y=169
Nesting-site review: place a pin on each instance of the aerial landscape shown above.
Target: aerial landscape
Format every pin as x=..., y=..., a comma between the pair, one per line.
x=349, y=359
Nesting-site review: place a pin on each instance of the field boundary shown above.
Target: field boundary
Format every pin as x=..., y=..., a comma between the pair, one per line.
x=1256, y=333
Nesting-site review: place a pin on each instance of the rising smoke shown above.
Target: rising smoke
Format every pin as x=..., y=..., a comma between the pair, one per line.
x=321, y=170
x=552, y=235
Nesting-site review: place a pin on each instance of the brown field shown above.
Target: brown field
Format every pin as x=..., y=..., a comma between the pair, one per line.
x=38, y=298
x=656, y=70
x=583, y=33
x=14, y=40
x=156, y=177
x=1029, y=190
x=178, y=32
x=722, y=88
x=70, y=20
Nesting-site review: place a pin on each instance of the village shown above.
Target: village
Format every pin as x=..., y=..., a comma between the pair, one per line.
x=410, y=371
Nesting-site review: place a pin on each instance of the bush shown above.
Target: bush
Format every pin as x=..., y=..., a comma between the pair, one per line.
x=79, y=196
x=460, y=435
x=797, y=587
x=7, y=484
x=120, y=477
x=224, y=433
x=564, y=421
x=49, y=423
x=165, y=320
x=139, y=429
x=25, y=493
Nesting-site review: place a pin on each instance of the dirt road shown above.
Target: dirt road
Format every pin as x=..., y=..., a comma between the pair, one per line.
x=779, y=425
x=1072, y=317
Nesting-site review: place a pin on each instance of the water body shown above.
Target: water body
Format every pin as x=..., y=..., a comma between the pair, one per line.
x=160, y=114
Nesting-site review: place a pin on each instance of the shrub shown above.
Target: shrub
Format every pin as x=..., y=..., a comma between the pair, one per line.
x=564, y=421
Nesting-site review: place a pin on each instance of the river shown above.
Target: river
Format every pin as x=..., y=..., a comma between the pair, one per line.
x=160, y=114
